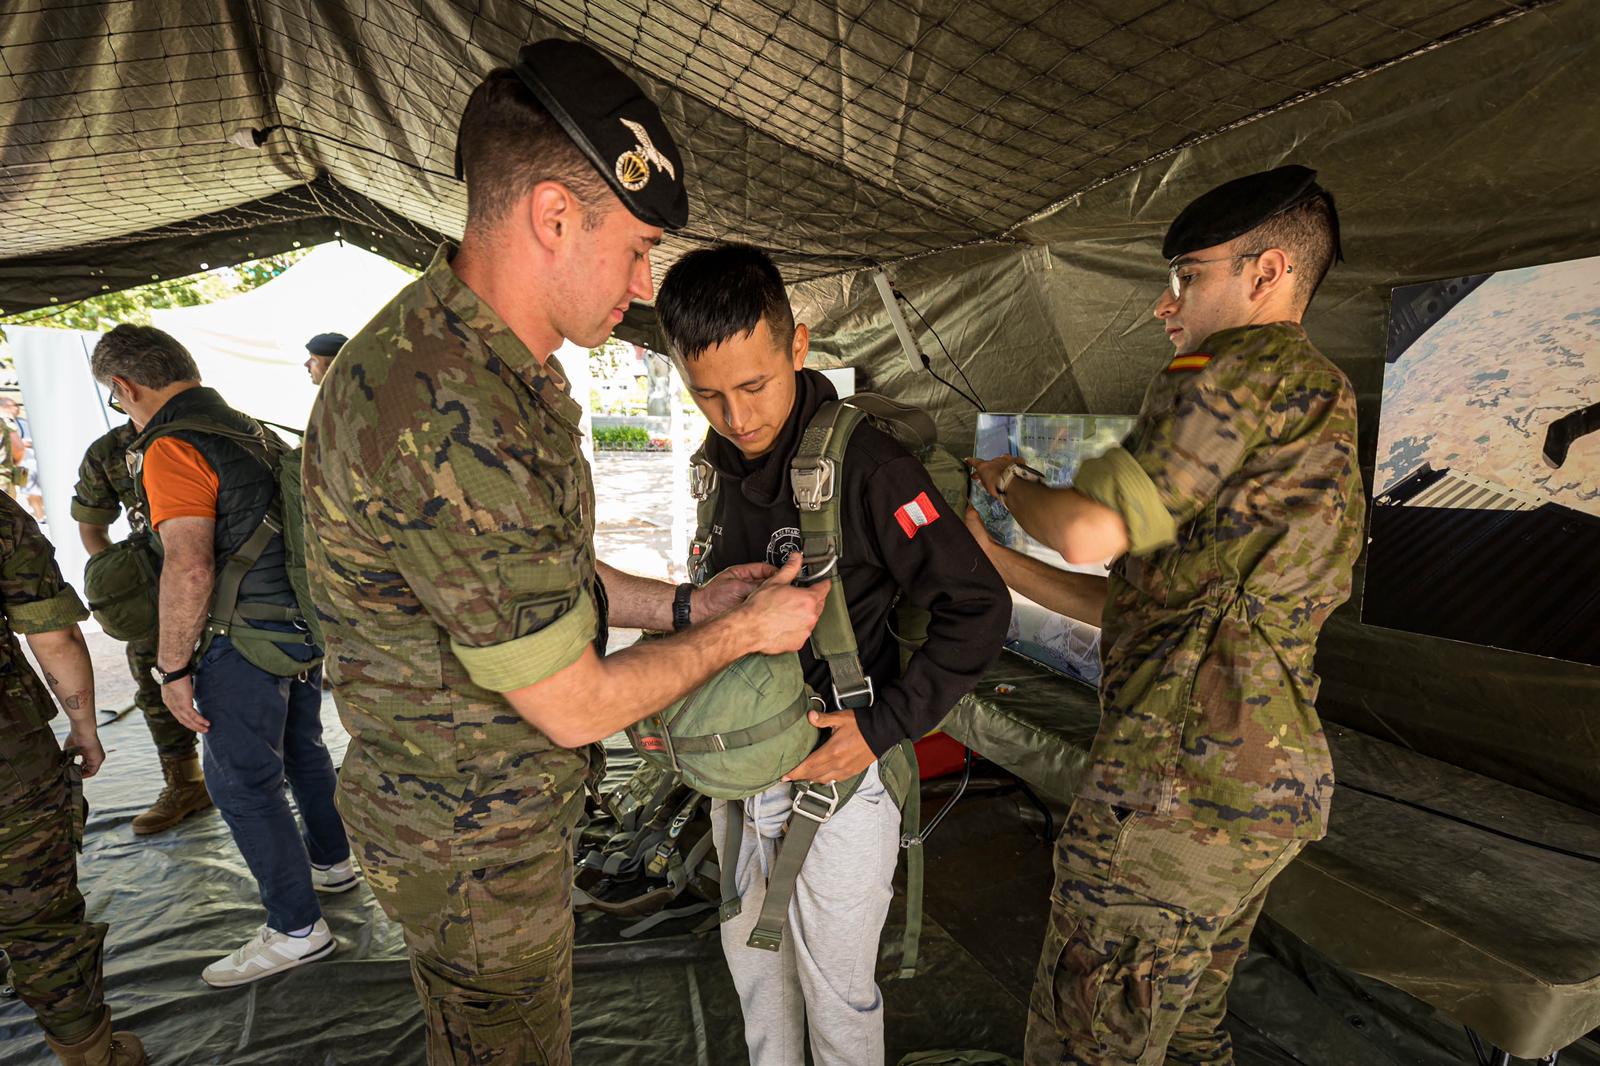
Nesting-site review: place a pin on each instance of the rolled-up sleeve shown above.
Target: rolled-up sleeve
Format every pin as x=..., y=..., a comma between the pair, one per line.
x=1177, y=460
x=1116, y=480
x=485, y=547
x=33, y=595
x=94, y=501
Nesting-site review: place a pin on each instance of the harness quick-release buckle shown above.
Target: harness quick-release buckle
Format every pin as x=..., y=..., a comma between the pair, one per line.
x=842, y=700
x=702, y=479
x=699, y=561
x=811, y=790
x=812, y=482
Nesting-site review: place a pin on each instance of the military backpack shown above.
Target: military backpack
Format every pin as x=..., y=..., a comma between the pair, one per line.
x=738, y=734
x=122, y=585
x=285, y=516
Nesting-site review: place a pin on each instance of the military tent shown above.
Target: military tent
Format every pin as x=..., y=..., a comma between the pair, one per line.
x=1011, y=165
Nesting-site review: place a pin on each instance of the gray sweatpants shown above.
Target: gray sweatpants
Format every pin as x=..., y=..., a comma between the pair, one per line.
x=823, y=979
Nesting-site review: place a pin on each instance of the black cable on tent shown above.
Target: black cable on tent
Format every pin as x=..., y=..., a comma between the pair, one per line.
x=973, y=399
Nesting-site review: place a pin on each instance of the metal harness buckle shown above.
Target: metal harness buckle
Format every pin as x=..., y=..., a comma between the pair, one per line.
x=812, y=572
x=812, y=482
x=702, y=479
x=812, y=791
x=867, y=690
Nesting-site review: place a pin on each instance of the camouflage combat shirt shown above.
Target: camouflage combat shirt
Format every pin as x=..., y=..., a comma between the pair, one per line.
x=105, y=488
x=1240, y=488
x=450, y=550
x=33, y=599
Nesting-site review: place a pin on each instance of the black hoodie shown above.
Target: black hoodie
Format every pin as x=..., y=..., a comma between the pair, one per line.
x=937, y=566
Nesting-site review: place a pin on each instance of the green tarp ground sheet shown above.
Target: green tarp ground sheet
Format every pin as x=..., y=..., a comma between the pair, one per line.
x=180, y=899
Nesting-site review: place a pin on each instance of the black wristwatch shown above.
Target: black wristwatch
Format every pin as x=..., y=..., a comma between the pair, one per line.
x=680, y=606
x=165, y=677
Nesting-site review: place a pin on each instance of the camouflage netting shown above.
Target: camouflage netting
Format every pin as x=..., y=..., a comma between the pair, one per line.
x=1012, y=162
x=836, y=133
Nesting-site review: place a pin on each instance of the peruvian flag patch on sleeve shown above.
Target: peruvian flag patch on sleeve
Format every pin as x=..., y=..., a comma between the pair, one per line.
x=916, y=514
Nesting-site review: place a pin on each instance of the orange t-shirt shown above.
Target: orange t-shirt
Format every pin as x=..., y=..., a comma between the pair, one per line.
x=178, y=481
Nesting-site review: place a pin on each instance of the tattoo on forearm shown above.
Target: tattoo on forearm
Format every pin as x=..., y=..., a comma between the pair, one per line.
x=72, y=702
x=48, y=676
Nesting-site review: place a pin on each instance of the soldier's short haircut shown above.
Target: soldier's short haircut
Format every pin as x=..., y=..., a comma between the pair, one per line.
x=1306, y=232
x=143, y=355
x=509, y=143
x=714, y=294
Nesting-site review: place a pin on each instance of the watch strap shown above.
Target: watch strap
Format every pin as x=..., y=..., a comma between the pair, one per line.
x=165, y=677
x=680, y=606
x=1013, y=471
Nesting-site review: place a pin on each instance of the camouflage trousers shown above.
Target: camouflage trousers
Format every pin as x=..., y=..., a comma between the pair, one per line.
x=171, y=736
x=55, y=953
x=491, y=952
x=1149, y=917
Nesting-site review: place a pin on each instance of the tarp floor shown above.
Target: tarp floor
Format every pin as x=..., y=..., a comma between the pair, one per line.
x=178, y=900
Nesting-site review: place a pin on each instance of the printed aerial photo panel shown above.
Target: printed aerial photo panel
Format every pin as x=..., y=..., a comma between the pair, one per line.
x=1054, y=445
x=1486, y=500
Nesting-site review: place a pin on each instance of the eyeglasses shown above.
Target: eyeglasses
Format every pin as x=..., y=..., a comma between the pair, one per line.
x=1176, y=281
x=114, y=403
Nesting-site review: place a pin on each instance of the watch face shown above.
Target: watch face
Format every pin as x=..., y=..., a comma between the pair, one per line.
x=155, y=672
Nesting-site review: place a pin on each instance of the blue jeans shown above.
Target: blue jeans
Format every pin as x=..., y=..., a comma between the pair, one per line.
x=265, y=730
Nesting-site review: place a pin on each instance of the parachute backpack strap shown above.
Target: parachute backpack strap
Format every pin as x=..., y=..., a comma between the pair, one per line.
x=681, y=871
x=703, y=487
x=911, y=841
x=728, y=860
x=815, y=475
x=740, y=738
x=813, y=804
x=226, y=612
x=225, y=596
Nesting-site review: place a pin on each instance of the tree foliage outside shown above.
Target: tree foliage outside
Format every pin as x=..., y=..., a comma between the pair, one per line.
x=100, y=313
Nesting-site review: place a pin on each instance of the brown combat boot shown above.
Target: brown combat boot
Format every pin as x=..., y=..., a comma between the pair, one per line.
x=184, y=794
x=101, y=1048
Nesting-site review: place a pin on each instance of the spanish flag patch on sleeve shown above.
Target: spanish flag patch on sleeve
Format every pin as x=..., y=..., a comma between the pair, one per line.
x=1188, y=361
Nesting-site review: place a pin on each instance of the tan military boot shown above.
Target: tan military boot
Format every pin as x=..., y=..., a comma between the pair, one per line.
x=101, y=1048
x=184, y=794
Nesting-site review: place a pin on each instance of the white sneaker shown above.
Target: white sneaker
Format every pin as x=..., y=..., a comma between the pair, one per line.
x=340, y=877
x=268, y=953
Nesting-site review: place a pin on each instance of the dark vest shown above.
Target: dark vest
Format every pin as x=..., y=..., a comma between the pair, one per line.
x=246, y=489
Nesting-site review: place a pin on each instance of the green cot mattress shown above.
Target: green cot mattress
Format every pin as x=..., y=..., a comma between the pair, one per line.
x=1476, y=897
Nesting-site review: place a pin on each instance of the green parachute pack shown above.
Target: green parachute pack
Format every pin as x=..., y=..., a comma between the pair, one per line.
x=737, y=735
x=121, y=584
x=286, y=515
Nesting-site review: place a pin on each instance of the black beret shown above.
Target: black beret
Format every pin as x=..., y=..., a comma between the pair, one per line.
x=613, y=123
x=1239, y=206
x=326, y=344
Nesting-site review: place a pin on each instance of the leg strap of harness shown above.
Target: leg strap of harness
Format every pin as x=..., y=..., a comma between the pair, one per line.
x=811, y=808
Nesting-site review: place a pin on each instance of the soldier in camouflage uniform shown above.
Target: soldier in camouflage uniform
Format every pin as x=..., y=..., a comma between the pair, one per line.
x=55, y=952
x=1235, y=507
x=13, y=474
x=452, y=557
x=105, y=489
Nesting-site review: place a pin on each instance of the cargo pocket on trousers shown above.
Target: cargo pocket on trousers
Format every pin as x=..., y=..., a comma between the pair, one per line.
x=1104, y=988
x=472, y=1021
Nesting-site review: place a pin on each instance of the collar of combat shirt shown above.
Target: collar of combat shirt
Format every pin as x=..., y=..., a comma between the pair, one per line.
x=547, y=378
